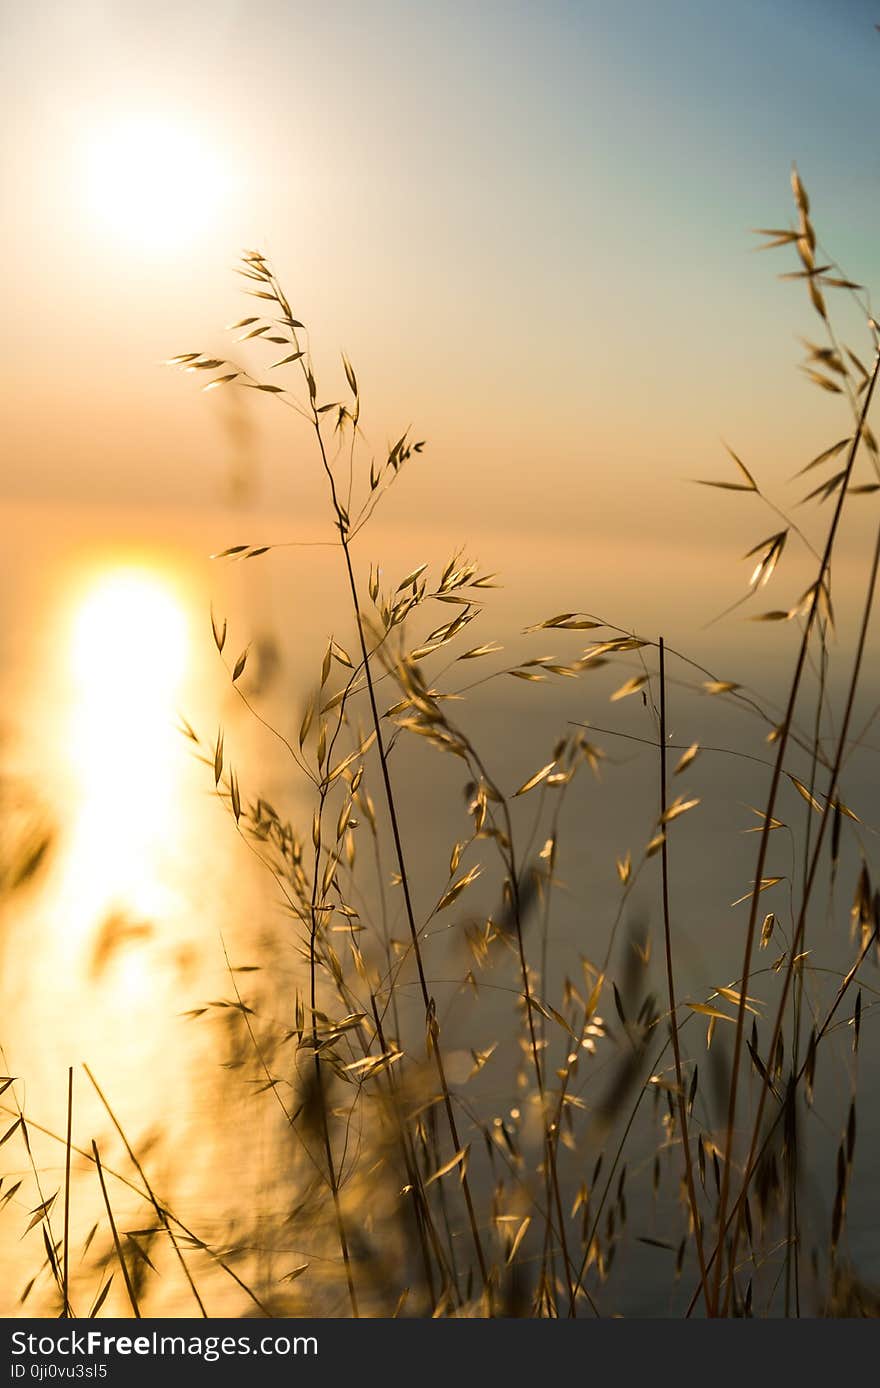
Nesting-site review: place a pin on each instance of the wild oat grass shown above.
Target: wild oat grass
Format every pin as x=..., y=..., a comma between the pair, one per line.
x=417, y=1193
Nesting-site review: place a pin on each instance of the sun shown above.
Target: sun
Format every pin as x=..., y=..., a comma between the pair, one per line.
x=152, y=182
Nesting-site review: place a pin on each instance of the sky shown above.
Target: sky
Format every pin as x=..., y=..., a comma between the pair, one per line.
x=527, y=225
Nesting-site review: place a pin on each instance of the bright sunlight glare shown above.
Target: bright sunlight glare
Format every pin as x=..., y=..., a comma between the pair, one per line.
x=152, y=182
x=128, y=659
x=129, y=638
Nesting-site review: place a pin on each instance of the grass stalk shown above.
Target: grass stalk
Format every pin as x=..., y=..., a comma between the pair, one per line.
x=681, y=1098
x=770, y=806
x=158, y=1207
x=67, y=1150
x=391, y=805
x=797, y=939
x=132, y=1297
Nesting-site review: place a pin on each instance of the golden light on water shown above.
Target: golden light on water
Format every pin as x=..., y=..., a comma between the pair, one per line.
x=129, y=635
x=128, y=659
x=153, y=183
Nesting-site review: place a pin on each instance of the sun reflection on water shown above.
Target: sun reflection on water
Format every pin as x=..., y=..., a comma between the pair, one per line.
x=115, y=947
x=128, y=659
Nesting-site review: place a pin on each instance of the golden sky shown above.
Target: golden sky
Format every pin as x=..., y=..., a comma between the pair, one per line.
x=529, y=228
